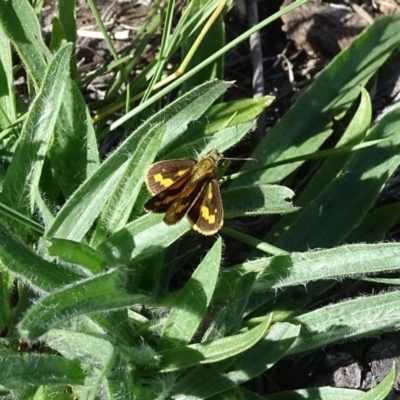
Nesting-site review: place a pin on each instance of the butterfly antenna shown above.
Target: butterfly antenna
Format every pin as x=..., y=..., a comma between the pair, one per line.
x=240, y=159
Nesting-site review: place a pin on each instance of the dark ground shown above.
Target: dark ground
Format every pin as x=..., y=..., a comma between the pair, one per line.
x=291, y=53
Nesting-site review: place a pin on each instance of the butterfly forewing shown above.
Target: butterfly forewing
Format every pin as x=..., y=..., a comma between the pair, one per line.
x=163, y=200
x=207, y=213
x=164, y=174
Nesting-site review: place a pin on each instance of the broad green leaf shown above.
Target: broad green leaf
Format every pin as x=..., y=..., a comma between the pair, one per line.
x=17, y=372
x=361, y=317
x=8, y=112
x=221, y=140
x=21, y=262
x=256, y=200
x=383, y=389
x=48, y=392
x=333, y=166
x=375, y=224
x=231, y=113
x=74, y=149
x=6, y=312
x=102, y=293
x=67, y=18
x=204, y=382
x=191, y=303
x=307, y=124
x=140, y=239
x=197, y=101
x=332, y=215
x=119, y=206
x=76, y=253
x=26, y=166
x=223, y=125
x=317, y=393
x=22, y=27
x=300, y=268
x=74, y=154
x=95, y=355
x=230, y=318
x=84, y=206
x=120, y=380
x=211, y=351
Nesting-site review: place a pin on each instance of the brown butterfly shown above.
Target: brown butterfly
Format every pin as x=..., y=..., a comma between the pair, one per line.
x=187, y=187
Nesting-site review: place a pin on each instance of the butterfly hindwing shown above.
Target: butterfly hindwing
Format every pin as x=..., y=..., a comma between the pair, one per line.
x=207, y=214
x=185, y=201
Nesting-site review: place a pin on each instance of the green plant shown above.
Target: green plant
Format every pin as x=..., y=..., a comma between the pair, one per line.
x=89, y=306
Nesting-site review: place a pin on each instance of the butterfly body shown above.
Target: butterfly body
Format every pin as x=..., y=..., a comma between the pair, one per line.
x=187, y=187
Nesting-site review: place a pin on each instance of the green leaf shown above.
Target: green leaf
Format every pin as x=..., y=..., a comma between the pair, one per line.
x=151, y=235
x=17, y=372
x=66, y=15
x=305, y=127
x=80, y=211
x=300, y=268
x=230, y=318
x=223, y=125
x=26, y=166
x=333, y=166
x=22, y=28
x=332, y=215
x=74, y=157
x=76, y=253
x=8, y=112
x=231, y=113
x=191, y=303
x=318, y=393
x=361, y=317
x=257, y=200
x=221, y=140
x=102, y=293
x=140, y=239
x=119, y=206
x=6, y=312
x=95, y=355
x=119, y=381
x=21, y=262
x=204, y=382
x=197, y=101
x=375, y=224
x=211, y=351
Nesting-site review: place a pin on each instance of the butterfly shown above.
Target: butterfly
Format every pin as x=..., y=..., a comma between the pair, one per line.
x=187, y=187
